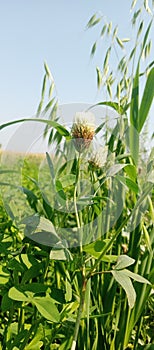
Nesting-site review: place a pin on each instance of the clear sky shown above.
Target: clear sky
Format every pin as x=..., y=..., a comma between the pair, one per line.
x=34, y=31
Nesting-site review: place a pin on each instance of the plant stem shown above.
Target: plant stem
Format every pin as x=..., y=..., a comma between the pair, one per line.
x=108, y=245
x=77, y=188
x=75, y=206
x=78, y=319
x=83, y=290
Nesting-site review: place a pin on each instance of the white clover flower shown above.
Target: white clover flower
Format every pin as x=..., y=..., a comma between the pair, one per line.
x=83, y=130
x=85, y=118
x=98, y=158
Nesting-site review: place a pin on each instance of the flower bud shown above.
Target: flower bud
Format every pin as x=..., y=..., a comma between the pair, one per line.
x=83, y=130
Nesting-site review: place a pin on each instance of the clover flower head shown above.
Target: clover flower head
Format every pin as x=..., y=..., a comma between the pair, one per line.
x=83, y=130
x=98, y=158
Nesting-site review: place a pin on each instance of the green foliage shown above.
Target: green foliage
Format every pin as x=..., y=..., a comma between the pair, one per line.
x=43, y=278
x=76, y=265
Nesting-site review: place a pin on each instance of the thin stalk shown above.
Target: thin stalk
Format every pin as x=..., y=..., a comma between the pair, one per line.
x=20, y=318
x=96, y=184
x=79, y=314
x=138, y=333
x=87, y=301
x=77, y=191
x=46, y=267
x=108, y=245
x=75, y=207
x=84, y=282
x=107, y=218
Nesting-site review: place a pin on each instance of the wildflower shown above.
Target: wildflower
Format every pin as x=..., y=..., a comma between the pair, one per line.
x=83, y=130
x=98, y=158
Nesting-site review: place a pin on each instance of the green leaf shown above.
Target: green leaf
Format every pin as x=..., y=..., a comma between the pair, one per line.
x=40, y=230
x=147, y=236
x=6, y=303
x=135, y=100
x=123, y=261
x=147, y=99
x=46, y=225
x=62, y=131
x=99, y=128
x=31, y=197
x=148, y=188
x=44, y=305
x=58, y=254
x=129, y=183
x=60, y=195
x=134, y=106
x=25, y=258
x=4, y=276
x=67, y=180
x=125, y=282
x=109, y=258
x=131, y=171
x=50, y=164
x=47, y=308
x=136, y=277
x=119, y=109
x=68, y=294
x=146, y=37
x=35, y=344
x=95, y=249
x=15, y=294
x=42, y=224
x=114, y=169
x=34, y=287
x=134, y=143
x=33, y=272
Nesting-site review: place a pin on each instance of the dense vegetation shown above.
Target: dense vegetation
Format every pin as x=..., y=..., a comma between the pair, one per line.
x=77, y=225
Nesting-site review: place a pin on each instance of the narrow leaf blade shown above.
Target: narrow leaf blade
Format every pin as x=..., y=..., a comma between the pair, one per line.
x=147, y=99
x=136, y=277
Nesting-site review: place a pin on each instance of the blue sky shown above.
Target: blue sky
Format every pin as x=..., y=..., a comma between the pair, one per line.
x=35, y=31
